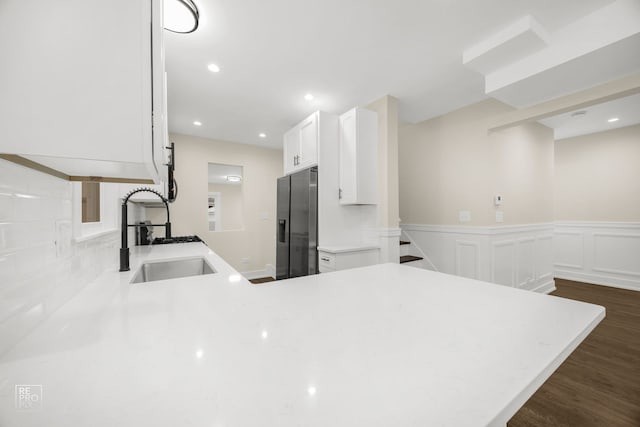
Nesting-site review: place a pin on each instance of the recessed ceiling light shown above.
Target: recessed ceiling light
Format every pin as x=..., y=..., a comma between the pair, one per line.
x=234, y=178
x=308, y=97
x=213, y=68
x=613, y=119
x=197, y=123
x=181, y=16
x=262, y=135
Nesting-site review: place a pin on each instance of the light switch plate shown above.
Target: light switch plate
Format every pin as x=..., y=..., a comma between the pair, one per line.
x=499, y=216
x=464, y=216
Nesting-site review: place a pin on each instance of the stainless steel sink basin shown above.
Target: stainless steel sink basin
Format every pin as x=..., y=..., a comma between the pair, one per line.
x=163, y=270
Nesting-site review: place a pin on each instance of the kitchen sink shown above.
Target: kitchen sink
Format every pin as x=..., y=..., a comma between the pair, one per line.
x=163, y=270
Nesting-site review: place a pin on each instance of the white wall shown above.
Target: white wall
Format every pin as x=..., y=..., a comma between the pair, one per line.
x=598, y=176
x=580, y=193
x=41, y=266
x=232, y=213
x=604, y=253
x=518, y=255
x=452, y=163
x=387, y=235
x=597, y=238
x=253, y=247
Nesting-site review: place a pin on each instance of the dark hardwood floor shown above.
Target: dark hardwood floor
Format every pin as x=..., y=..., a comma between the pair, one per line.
x=599, y=383
x=261, y=280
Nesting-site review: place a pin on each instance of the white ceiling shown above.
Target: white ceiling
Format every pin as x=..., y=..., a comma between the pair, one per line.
x=567, y=125
x=344, y=52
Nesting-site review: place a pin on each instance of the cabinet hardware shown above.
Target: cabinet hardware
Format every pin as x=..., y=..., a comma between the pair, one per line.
x=325, y=259
x=340, y=193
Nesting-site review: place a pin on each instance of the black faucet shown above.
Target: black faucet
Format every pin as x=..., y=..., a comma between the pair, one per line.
x=124, y=249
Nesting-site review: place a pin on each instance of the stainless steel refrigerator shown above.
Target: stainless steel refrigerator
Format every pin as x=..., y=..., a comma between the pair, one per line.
x=297, y=233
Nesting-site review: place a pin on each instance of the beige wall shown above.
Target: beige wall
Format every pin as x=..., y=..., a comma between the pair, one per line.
x=598, y=176
x=232, y=213
x=261, y=168
x=388, y=209
x=452, y=163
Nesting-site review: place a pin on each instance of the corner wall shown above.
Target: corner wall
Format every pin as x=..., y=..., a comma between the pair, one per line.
x=597, y=238
x=598, y=176
x=388, y=233
x=452, y=163
x=252, y=249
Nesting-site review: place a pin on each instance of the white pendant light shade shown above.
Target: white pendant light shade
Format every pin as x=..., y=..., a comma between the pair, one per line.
x=181, y=16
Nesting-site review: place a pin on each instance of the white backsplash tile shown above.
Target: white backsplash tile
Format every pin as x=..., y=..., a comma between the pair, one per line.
x=6, y=206
x=41, y=267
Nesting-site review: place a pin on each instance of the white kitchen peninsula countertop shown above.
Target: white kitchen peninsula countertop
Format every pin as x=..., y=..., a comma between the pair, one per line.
x=385, y=345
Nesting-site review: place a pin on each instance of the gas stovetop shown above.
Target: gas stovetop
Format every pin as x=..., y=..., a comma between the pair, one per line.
x=175, y=239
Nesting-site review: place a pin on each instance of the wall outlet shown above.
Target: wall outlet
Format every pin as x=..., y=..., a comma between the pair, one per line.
x=499, y=216
x=245, y=260
x=264, y=216
x=464, y=216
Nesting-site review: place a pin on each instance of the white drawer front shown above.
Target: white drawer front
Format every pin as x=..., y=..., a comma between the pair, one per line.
x=327, y=260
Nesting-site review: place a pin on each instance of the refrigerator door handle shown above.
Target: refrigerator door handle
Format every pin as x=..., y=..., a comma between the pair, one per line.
x=282, y=225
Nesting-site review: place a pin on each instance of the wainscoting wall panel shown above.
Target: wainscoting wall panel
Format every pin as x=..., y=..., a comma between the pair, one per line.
x=544, y=249
x=516, y=256
x=526, y=267
x=503, y=267
x=467, y=259
x=604, y=253
x=568, y=250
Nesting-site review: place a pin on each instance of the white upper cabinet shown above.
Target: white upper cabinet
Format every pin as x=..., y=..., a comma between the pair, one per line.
x=83, y=86
x=309, y=142
x=301, y=145
x=291, y=150
x=358, y=157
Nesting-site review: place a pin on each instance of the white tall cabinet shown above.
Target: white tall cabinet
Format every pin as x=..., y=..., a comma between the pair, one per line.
x=83, y=86
x=343, y=228
x=358, y=157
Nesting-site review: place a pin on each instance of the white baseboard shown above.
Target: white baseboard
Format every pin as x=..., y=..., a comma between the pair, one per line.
x=613, y=282
x=546, y=288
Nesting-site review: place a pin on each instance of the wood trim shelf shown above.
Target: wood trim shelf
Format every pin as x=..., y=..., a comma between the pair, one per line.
x=22, y=161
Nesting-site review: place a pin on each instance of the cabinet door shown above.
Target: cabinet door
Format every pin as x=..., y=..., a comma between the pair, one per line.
x=291, y=150
x=308, y=142
x=358, y=157
x=93, y=101
x=348, y=157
